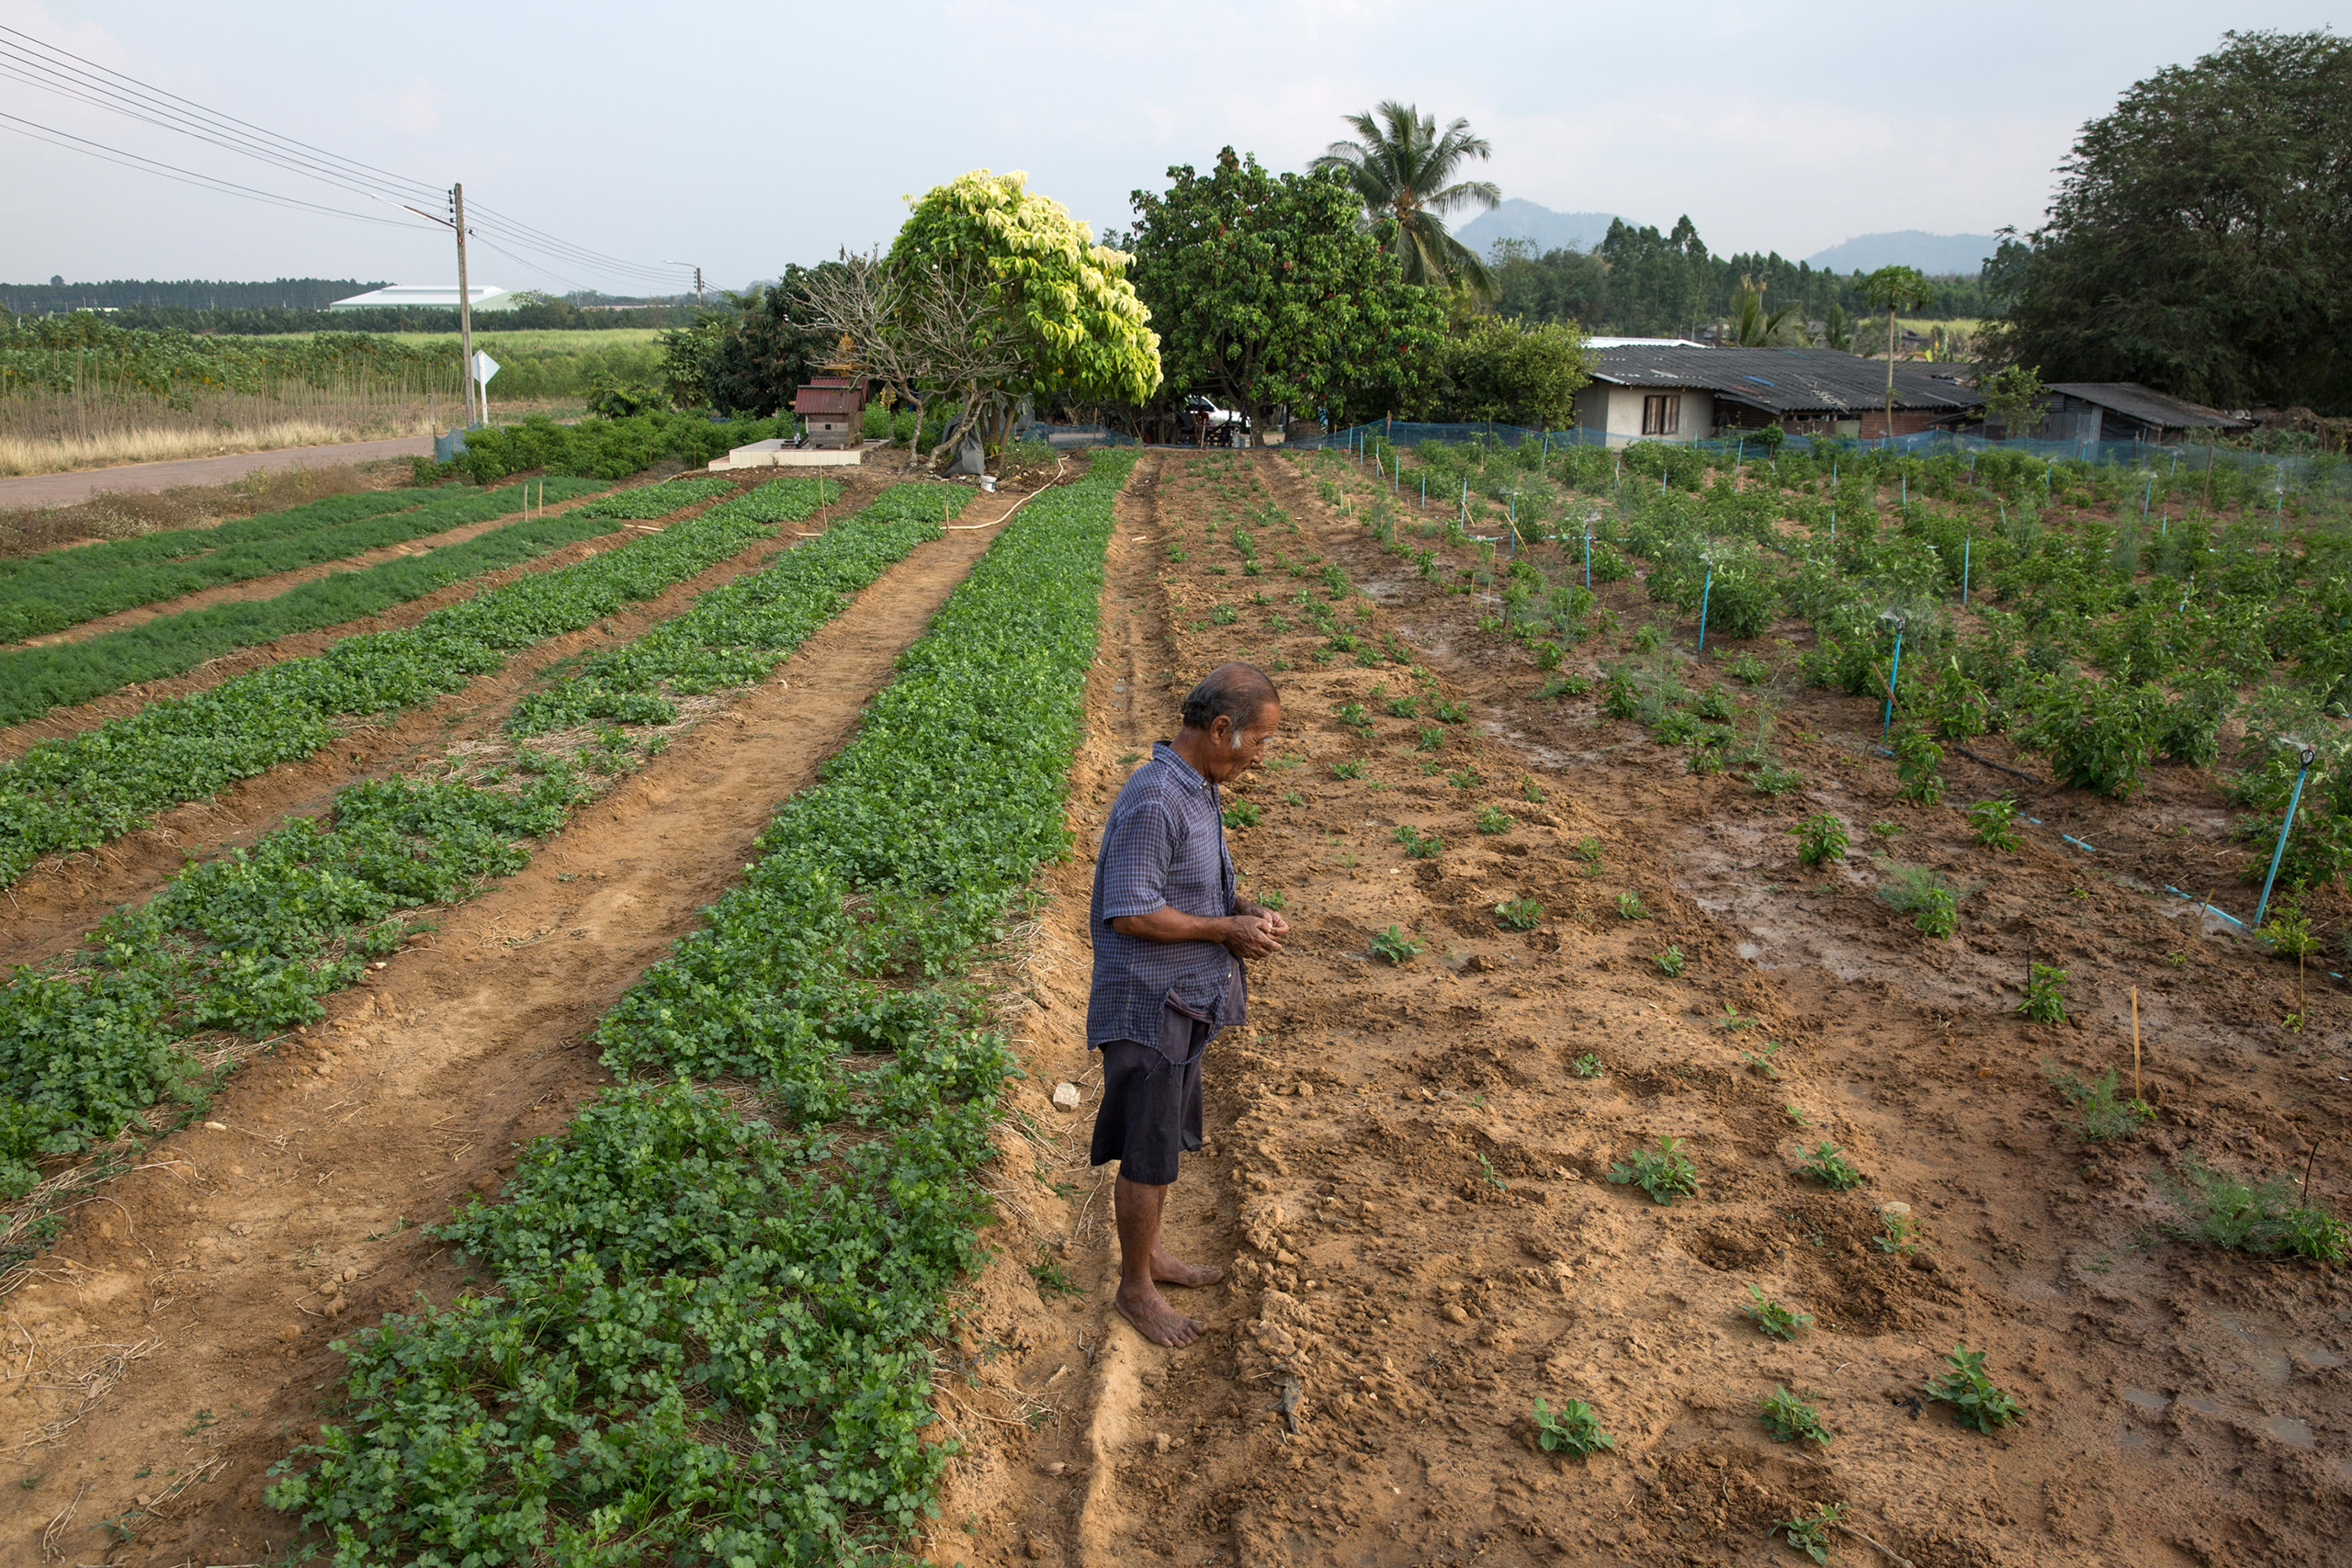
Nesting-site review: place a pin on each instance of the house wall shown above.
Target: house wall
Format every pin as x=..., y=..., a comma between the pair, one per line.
x=1616, y=412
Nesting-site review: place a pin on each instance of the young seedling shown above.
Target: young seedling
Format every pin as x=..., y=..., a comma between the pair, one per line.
x=1901, y=1234
x=1586, y=1066
x=1809, y=1533
x=1760, y=1059
x=1975, y=1402
x=1772, y=1318
x=1292, y=798
x=1431, y=739
x=1820, y=837
x=1790, y=1419
x=1733, y=1021
x=2045, y=994
x=1241, y=814
x=1486, y=1171
x=1350, y=769
x=1775, y=781
x=1916, y=757
x=1419, y=845
x=1927, y=895
x=2223, y=1208
x=1492, y=818
x=1393, y=946
x=2289, y=933
x=1463, y=778
x=1669, y=963
x=1051, y=1280
x=1529, y=790
x=1991, y=823
x=1828, y=1165
x=1886, y=829
x=1404, y=707
x=1274, y=899
x=1520, y=914
x=1662, y=1172
x=1573, y=1431
x=1629, y=907
x=2099, y=1115
x=1452, y=713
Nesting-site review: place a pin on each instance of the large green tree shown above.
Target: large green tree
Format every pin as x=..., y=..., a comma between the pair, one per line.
x=1514, y=372
x=2202, y=239
x=1267, y=291
x=1402, y=168
x=1063, y=324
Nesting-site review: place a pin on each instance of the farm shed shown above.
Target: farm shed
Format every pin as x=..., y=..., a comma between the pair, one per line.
x=427, y=297
x=2125, y=410
x=1667, y=393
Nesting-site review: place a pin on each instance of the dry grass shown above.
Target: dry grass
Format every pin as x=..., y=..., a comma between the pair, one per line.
x=107, y=448
x=122, y=514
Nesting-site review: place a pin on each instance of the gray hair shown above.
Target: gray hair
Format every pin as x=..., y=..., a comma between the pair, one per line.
x=1235, y=692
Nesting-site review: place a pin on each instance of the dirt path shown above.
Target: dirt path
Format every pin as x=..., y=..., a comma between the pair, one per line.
x=54, y=902
x=233, y=1257
x=65, y=490
x=1408, y=1167
x=270, y=587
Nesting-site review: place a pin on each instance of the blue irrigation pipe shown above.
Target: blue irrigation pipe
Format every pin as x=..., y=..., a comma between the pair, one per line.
x=1705, y=589
x=2284, y=828
x=1894, y=673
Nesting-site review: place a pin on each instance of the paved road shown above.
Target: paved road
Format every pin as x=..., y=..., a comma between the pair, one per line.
x=65, y=490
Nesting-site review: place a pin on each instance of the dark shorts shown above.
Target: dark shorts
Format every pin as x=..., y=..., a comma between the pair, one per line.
x=1151, y=1107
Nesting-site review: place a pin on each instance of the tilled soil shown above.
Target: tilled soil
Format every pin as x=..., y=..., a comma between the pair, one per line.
x=1408, y=1166
x=176, y=1341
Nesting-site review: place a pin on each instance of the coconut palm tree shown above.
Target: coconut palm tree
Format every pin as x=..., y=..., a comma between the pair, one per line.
x=1402, y=168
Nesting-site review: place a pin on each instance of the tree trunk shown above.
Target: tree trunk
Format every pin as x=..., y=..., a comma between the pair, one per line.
x=1890, y=376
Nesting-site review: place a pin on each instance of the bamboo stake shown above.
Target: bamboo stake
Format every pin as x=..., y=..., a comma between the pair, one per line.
x=2135, y=1046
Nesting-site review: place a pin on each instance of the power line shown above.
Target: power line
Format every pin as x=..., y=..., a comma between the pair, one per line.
x=98, y=149
x=87, y=82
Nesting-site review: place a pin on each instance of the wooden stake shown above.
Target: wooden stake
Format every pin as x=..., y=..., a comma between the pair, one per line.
x=2136, y=1095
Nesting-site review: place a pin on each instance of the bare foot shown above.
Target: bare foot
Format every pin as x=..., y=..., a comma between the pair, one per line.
x=1153, y=1319
x=1171, y=1270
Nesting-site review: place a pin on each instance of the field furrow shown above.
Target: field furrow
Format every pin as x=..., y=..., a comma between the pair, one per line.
x=81, y=790
x=93, y=584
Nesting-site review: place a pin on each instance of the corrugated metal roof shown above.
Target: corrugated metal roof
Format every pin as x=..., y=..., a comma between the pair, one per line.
x=2134, y=402
x=829, y=399
x=428, y=296
x=1789, y=381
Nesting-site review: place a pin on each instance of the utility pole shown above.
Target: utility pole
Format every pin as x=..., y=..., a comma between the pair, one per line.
x=697, y=280
x=465, y=302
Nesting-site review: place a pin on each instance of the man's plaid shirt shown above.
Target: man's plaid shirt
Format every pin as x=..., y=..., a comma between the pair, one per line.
x=1163, y=847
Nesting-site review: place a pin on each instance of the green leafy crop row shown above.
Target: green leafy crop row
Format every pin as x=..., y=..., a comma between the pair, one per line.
x=177, y=544
x=66, y=588
x=77, y=792
x=735, y=634
x=249, y=941
x=707, y=1343
x=34, y=680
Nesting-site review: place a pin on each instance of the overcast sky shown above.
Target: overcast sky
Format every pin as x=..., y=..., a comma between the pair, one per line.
x=743, y=137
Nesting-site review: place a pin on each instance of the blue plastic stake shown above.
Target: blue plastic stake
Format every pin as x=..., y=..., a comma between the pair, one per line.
x=1894, y=673
x=1705, y=589
x=1588, y=557
x=2147, y=498
x=2280, y=853
x=1967, y=546
x=1425, y=489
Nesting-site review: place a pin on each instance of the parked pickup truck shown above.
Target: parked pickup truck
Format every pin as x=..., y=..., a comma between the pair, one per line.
x=1213, y=426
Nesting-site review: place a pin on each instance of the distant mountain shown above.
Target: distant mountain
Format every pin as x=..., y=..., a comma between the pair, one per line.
x=1938, y=255
x=1539, y=226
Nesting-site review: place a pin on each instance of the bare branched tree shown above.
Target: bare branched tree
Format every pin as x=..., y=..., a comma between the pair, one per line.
x=919, y=331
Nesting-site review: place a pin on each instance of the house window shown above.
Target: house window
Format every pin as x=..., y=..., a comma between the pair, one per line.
x=1662, y=414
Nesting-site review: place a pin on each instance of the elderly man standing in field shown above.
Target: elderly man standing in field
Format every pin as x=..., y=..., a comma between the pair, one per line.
x=1169, y=933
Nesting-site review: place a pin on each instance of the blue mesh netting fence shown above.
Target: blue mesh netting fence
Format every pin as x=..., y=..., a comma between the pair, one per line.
x=2291, y=474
